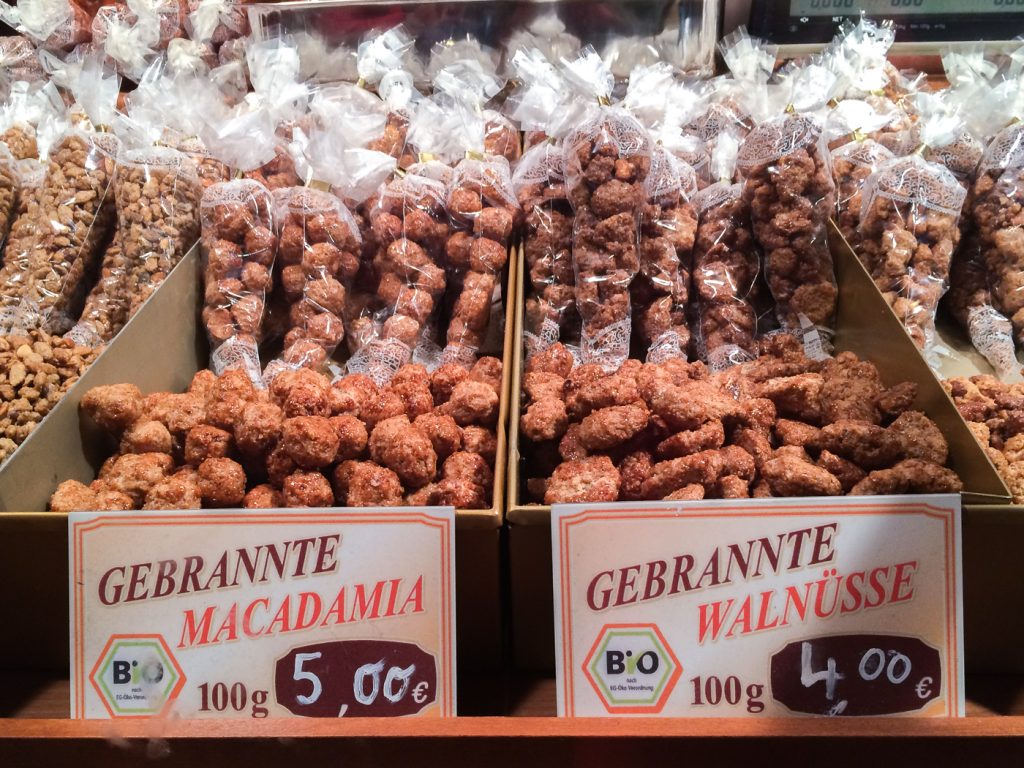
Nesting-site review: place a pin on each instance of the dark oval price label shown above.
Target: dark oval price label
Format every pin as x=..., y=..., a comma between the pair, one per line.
x=356, y=678
x=864, y=674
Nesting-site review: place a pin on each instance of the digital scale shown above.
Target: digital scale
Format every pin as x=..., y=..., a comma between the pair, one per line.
x=922, y=26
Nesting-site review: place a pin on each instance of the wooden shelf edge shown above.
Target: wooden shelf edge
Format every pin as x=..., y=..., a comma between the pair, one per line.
x=513, y=728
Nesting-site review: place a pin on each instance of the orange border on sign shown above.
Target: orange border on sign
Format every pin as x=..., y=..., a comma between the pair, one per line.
x=846, y=510
x=443, y=526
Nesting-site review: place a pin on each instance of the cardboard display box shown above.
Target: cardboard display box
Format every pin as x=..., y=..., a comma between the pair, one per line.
x=159, y=350
x=867, y=326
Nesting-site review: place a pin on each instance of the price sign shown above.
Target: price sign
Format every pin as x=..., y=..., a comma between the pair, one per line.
x=836, y=607
x=308, y=613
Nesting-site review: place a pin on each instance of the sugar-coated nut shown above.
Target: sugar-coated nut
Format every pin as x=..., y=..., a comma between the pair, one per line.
x=147, y=437
x=263, y=497
x=73, y=496
x=468, y=467
x=179, y=491
x=555, y=359
x=473, y=402
x=544, y=419
x=397, y=444
x=311, y=441
x=307, y=489
x=221, y=482
x=487, y=370
x=444, y=380
x=369, y=485
x=384, y=406
x=134, y=474
x=278, y=465
x=593, y=479
x=113, y=407
x=352, y=436
x=206, y=442
x=258, y=428
x=482, y=441
x=228, y=397
x=444, y=434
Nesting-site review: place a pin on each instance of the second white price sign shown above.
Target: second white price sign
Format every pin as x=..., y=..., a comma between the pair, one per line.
x=839, y=607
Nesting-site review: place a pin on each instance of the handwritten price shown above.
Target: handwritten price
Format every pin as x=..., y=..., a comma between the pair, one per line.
x=856, y=675
x=356, y=678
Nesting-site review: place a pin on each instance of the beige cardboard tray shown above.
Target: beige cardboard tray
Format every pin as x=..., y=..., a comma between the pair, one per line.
x=159, y=350
x=866, y=326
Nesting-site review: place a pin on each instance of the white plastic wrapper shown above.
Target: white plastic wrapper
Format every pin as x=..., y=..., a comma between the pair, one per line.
x=216, y=21
x=323, y=63
x=543, y=104
x=855, y=156
x=133, y=34
x=546, y=34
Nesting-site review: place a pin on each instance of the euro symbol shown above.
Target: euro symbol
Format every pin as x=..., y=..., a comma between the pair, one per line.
x=419, y=693
x=923, y=688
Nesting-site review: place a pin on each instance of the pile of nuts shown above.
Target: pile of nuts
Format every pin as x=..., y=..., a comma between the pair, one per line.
x=35, y=372
x=425, y=439
x=994, y=412
x=781, y=425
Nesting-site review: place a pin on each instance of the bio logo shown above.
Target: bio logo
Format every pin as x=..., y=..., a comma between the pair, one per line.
x=632, y=668
x=137, y=675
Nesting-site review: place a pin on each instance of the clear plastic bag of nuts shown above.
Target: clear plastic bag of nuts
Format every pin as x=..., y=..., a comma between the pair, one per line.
x=726, y=266
x=849, y=128
x=21, y=237
x=607, y=160
x=411, y=228
x=239, y=247
x=318, y=252
x=971, y=303
x=484, y=212
x=9, y=184
x=539, y=183
x=788, y=186
x=998, y=201
x=57, y=25
x=157, y=192
x=908, y=232
x=76, y=214
x=668, y=226
x=19, y=61
x=106, y=307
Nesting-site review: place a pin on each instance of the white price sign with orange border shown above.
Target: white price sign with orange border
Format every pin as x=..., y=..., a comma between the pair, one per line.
x=246, y=614
x=760, y=607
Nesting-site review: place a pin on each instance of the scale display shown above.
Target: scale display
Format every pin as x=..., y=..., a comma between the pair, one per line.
x=886, y=8
x=789, y=22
